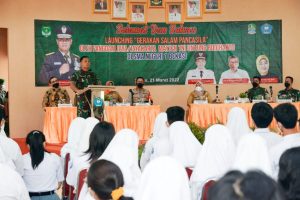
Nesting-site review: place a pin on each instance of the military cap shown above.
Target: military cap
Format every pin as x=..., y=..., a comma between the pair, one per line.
x=64, y=32
x=200, y=54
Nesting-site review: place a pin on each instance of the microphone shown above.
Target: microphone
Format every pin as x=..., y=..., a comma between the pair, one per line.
x=217, y=89
x=131, y=92
x=271, y=90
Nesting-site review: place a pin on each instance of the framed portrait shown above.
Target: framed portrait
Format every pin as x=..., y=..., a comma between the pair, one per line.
x=101, y=6
x=119, y=9
x=156, y=3
x=212, y=6
x=174, y=13
x=193, y=9
x=138, y=12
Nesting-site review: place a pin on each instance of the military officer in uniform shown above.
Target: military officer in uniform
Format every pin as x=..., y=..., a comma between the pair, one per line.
x=289, y=92
x=63, y=63
x=139, y=94
x=55, y=94
x=111, y=95
x=80, y=81
x=257, y=92
x=195, y=75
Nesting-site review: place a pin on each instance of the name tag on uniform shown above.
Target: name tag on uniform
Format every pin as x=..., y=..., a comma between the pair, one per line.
x=57, y=63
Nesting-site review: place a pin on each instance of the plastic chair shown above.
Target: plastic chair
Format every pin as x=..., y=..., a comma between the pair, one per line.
x=189, y=172
x=81, y=177
x=206, y=187
x=65, y=186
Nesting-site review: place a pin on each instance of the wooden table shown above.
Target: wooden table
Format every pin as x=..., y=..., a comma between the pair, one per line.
x=205, y=115
x=56, y=123
x=138, y=118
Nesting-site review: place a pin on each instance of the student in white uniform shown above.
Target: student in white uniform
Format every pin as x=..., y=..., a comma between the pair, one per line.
x=100, y=137
x=252, y=154
x=43, y=171
x=286, y=116
x=159, y=144
x=105, y=181
x=184, y=145
x=11, y=149
x=164, y=178
x=214, y=160
x=234, y=74
x=237, y=123
x=262, y=115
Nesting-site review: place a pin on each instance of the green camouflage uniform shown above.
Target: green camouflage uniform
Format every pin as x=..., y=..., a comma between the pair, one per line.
x=257, y=93
x=81, y=80
x=289, y=94
x=54, y=96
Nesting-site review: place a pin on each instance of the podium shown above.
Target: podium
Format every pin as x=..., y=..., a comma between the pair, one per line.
x=97, y=97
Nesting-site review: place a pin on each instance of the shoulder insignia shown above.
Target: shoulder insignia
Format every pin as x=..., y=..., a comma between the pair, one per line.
x=76, y=55
x=48, y=54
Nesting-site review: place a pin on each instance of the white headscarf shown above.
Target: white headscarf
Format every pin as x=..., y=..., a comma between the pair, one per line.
x=75, y=130
x=164, y=178
x=252, y=154
x=159, y=144
x=237, y=123
x=5, y=160
x=90, y=124
x=184, y=145
x=216, y=156
x=123, y=151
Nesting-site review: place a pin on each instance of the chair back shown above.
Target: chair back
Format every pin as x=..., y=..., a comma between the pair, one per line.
x=189, y=172
x=206, y=187
x=65, y=186
x=81, y=177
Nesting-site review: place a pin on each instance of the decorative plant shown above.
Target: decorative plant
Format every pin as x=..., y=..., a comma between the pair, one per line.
x=243, y=95
x=198, y=131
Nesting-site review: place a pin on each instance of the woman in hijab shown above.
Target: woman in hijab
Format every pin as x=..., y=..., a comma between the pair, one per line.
x=159, y=144
x=237, y=123
x=80, y=159
x=184, y=145
x=76, y=128
x=12, y=185
x=164, y=178
x=199, y=93
x=215, y=159
x=252, y=154
x=122, y=151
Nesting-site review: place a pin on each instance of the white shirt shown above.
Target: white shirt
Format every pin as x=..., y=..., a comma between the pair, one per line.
x=195, y=74
x=271, y=138
x=174, y=17
x=12, y=185
x=46, y=176
x=288, y=141
x=239, y=74
x=12, y=151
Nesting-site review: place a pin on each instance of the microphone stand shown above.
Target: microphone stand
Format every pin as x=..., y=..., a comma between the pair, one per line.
x=131, y=92
x=217, y=94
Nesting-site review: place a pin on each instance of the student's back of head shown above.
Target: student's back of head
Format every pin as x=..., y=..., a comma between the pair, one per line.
x=100, y=137
x=106, y=181
x=262, y=114
x=289, y=173
x=35, y=140
x=287, y=115
x=175, y=113
x=252, y=185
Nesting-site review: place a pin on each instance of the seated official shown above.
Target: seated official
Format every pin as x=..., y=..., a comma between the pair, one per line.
x=257, y=92
x=111, y=95
x=199, y=93
x=289, y=92
x=55, y=94
x=139, y=94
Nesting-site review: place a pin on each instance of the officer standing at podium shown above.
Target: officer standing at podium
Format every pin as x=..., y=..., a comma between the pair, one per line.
x=80, y=80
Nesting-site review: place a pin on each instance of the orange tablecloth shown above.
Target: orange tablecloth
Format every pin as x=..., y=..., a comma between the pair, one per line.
x=138, y=118
x=57, y=122
x=209, y=114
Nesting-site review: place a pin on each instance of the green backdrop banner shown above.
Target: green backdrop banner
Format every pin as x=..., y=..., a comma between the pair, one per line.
x=164, y=54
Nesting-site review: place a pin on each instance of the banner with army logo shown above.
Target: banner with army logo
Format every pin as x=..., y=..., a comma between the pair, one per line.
x=165, y=54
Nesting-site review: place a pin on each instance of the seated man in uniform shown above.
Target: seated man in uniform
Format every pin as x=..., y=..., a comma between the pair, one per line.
x=200, y=73
x=199, y=93
x=111, y=95
x=139, y=94
x=257, y=92
x=55, y=94
x=289, y=92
